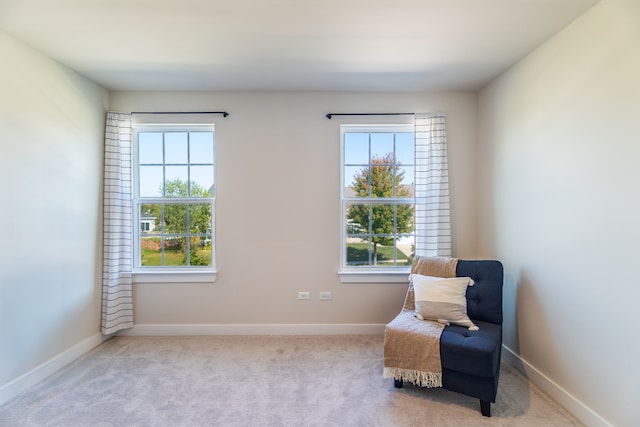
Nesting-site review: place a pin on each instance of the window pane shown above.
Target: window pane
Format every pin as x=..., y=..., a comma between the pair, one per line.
x=150, y=147
x=177, y=181
x=200, y=251
x=383, y=256
x=356, y=179
x=175, y=251
x=404, y=148
x=405, y=250
x=175, y=218
x=175, y=148
x=382, y=181
x=202, y=181
x=151, y=251
x=382, y=223
x=404, y=218
x=358, y=252
x=200, y=218
x=356, y=148
x=358, y=220
x=150, y=218
x=201, y=147
x=150, y=181
x=404, y=182
x=381, y=145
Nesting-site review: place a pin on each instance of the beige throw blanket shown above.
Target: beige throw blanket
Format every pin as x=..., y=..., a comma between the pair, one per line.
x=412, y=346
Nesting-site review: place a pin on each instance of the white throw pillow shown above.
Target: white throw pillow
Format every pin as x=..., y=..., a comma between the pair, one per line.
x=442, y=300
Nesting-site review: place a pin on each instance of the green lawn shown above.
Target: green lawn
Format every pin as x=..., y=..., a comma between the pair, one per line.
x=174, y=252
x=172, y=256
x=358, y=254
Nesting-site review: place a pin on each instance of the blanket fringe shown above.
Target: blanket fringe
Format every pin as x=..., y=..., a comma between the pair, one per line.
x=419, y=378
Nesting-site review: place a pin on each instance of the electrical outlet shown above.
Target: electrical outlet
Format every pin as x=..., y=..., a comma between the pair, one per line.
x=304, y=295
x=325, y=296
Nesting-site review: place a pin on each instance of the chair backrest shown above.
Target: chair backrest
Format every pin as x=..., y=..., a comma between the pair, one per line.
x=484, y=298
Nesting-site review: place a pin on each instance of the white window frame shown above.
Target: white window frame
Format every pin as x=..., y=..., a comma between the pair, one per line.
x=169, y=274
x=350, y=274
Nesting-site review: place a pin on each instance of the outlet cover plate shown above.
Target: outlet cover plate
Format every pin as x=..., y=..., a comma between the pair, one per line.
x=304, y=295
x=325, y=296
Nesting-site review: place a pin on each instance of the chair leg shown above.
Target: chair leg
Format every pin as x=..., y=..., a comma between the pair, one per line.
x=485, y=408
x=397, y=383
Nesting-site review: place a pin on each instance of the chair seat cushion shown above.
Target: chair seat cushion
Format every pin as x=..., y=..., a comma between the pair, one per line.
x=472, y=352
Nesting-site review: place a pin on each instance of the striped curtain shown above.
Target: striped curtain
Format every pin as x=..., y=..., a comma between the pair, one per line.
x=432, y=207
x=117, y=302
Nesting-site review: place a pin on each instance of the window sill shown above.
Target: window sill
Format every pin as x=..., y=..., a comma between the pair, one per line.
x=174, y=276
x=377, y=276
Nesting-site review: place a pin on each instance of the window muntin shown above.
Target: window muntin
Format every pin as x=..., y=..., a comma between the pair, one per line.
x=174, y=196
x=377, y=196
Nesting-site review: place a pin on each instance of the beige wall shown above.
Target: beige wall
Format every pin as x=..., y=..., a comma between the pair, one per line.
x=51, y=132
x=278, y=207
x=558, y=134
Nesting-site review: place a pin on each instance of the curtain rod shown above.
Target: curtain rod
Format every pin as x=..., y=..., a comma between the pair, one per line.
x=369, y=114
x=223, y=113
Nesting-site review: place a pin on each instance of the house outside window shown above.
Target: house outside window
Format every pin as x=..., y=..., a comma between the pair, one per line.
x=377, y=184
x=174, y=199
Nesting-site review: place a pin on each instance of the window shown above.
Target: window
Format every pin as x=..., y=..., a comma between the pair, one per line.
x=377, y=199
x=174, y=195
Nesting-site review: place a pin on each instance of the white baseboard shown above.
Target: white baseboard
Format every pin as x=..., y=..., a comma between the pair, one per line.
x=12, y=389
x=557, y=393
x=254, y=329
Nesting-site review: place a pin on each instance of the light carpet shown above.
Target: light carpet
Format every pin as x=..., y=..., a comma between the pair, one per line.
x=259, y=381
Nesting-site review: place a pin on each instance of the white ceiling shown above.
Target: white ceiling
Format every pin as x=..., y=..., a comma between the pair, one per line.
x=356, y=45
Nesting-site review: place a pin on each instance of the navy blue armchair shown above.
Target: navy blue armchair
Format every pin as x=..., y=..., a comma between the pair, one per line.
x=471, y=359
